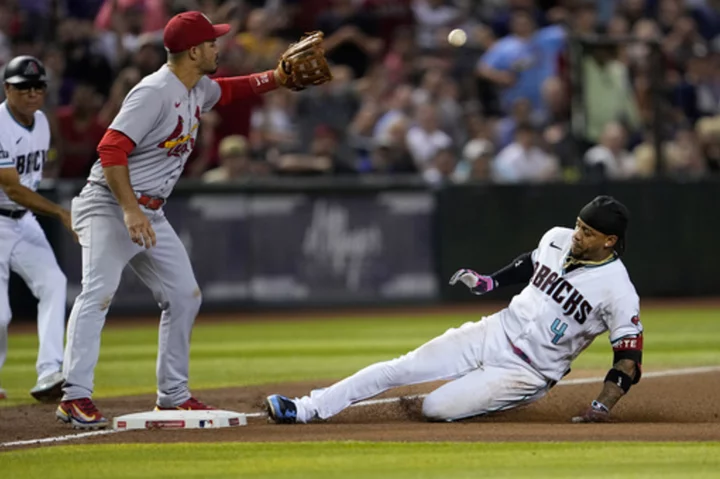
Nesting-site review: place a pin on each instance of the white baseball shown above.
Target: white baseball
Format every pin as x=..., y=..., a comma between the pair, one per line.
x=457, y=37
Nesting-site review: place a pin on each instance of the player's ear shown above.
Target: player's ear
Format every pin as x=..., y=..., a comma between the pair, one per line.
x=610, y=241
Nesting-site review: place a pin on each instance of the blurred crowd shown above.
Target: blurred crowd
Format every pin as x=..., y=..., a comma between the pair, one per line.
x=635, y=94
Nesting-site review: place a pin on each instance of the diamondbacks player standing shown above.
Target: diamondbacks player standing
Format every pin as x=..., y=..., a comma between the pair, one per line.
x=119, y=217
x=24, y=145
x=577, y=288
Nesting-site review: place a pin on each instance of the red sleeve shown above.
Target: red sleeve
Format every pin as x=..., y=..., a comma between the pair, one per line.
x=237, y=88
x=114, y=148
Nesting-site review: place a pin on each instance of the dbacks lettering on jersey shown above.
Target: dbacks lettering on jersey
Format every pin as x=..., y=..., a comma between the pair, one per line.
x=33, y=161
x=178, y=144
x=562, y=292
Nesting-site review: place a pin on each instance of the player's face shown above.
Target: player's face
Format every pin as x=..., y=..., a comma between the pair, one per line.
x=209, y=55
x=588, y=243
x=26, y=98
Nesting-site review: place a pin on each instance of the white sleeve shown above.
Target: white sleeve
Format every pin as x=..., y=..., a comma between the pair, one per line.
x=139, y=113
x=7, y=150
x=212, y=93
x=623, y=319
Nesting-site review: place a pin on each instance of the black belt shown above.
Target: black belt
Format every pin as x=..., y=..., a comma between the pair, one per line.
x=13, y=214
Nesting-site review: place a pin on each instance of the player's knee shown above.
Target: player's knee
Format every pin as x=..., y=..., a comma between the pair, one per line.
x=433, y=409
x=186, y=298
x=54, y=281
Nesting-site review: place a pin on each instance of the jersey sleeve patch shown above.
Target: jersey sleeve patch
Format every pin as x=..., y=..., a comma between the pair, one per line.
x=629, y=343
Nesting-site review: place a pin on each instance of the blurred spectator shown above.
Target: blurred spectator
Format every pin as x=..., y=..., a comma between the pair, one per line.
x=523, y=161
x=519, y=63
x=698, y=94
x=259, y=43
x=441, y=168
x=390, y=154
x=152, y=15
x=708, y=131
x=80, y=131
x=521, y=113
x=333, y=103
x=610, y=159
x=475, y=162
x=400, y=106
x=272, y=124
x=403, y=100
x=350, y=36
x=235, y=162
x=607, y=92
x=434, y=19
x=425, y=138
x=323, y=158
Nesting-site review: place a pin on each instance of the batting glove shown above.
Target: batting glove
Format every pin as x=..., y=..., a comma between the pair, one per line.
x=477, y=283
x=597, y=412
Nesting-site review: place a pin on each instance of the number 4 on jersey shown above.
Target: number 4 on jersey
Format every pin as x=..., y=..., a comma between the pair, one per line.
x=558, y=327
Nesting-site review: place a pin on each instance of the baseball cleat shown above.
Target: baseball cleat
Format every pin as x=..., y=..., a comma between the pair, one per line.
x=281, y=410
x=191, y=404
x=81, y=414
x=49, y=388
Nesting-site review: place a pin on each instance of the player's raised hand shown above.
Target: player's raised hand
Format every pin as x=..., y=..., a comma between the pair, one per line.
x=139, y=227
x=478, y=283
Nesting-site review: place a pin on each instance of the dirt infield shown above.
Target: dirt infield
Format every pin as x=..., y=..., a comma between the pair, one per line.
x=679, y=408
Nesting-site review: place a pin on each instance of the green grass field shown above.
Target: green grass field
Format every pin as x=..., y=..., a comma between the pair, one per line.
x=276, y=351
x=361, y=459
x=226, y=355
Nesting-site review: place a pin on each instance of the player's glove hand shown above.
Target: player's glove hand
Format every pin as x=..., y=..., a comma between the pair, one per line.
x=477, y=283
x=597, y=412
x=304, y=64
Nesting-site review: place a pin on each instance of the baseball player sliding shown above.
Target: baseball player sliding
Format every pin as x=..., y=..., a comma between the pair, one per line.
x=24, y=145
x=577, y=288
x=118, y=215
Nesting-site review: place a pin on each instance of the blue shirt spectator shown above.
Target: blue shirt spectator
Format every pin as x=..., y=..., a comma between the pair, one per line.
x=519, y=64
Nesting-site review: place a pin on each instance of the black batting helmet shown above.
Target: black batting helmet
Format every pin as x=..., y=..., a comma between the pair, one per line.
x=24, y=69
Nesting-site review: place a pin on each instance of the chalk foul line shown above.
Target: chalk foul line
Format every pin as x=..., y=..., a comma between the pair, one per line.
x=370, y=402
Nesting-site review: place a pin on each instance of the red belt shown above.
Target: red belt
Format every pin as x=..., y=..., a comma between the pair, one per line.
x=148, y=202
x=151, y=203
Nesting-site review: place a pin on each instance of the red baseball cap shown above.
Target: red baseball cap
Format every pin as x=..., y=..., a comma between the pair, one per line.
x=190, y=29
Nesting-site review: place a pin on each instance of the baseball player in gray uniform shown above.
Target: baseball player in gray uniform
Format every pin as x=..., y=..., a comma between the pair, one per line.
x=576, y=289
x=119, y=218
x=24, y=145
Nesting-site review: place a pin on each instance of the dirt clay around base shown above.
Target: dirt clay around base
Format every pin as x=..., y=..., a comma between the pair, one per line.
x=676, y=408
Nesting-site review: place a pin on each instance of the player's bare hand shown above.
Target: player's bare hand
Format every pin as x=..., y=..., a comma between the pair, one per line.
x=66, y=220
x=478, y=283
x=595, y=413
x=139, y=227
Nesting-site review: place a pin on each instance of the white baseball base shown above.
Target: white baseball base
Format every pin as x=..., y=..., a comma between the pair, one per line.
x=179, y=420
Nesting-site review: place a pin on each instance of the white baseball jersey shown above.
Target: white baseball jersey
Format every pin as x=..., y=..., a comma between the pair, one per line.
x=23, y=148
x=558, y=314
x=162, y=118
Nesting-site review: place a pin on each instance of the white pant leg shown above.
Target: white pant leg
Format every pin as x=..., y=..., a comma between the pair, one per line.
x=106, y=249
x=453, y=354
x=33, y=259
x=9, y=236
x=167, y=271
x=505, y=381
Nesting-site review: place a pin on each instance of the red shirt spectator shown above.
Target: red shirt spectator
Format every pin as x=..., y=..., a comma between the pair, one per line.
x=80, y=132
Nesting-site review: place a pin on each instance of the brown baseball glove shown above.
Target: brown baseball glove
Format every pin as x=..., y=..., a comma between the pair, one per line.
x=304, y=63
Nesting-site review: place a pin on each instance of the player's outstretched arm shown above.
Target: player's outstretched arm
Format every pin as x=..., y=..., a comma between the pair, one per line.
x=10, y=183
x=518, y=272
